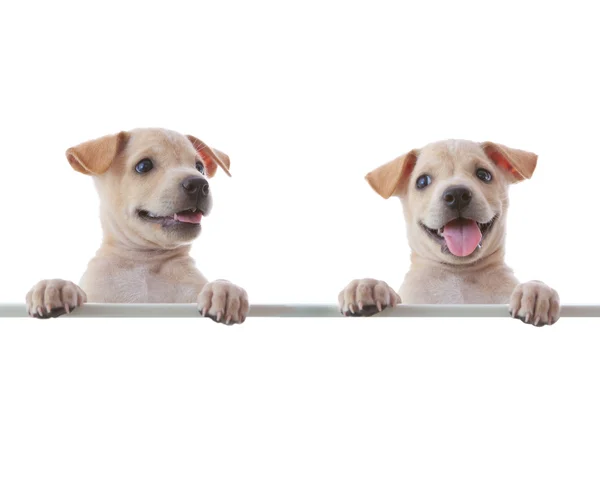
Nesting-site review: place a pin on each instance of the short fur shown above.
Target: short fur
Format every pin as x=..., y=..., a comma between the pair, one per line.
x=436, y=276
x=142, y=260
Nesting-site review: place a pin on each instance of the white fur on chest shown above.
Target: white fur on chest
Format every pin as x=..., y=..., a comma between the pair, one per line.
x=456, y=288
x=113, y=283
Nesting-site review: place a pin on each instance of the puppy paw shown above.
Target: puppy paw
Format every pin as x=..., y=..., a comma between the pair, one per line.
x=367, y=296
x=52, y=298
x=535, y=303
x=223, y=302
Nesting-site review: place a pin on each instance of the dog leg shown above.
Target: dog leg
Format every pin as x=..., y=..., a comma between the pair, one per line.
x=367, y=296
x=52, y=298
x=223, y=302
x=536, y=303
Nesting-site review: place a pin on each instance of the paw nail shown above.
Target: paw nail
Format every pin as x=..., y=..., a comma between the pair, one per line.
x=360, y=305
x=351, y=307
x=527, y=317
x=219, y=316
x=537, y=321
x=228, y=320
x=379, y=306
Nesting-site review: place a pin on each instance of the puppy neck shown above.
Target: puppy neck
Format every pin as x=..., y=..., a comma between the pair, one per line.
x=494, y=259
x=119, y=241
x=115, y=249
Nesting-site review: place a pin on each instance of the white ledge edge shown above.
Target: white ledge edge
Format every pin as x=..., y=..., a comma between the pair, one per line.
x=97, y=310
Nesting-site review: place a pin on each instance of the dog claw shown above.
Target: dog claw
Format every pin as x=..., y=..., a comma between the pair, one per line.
x=219, y=315
x=379, y=306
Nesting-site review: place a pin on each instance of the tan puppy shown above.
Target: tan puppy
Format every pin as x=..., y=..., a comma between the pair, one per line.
x=455, y=197
x=154, y=192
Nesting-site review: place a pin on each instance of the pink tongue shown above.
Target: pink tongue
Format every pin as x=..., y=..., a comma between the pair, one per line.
x=462, y=236
x=189, y=218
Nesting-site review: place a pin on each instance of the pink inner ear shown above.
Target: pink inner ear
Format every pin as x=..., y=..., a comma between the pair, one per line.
x=500, y=161
x=407, y=170
x=209, y=163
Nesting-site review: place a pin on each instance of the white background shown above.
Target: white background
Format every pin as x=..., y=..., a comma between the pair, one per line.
x=305, y=98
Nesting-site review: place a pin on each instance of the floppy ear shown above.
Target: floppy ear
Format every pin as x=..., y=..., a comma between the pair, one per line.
x=211, y=157
x=96, y=156
x=391, y=177
x=519, y=163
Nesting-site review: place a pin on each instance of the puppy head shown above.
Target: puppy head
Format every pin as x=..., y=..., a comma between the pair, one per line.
x=454, y=195
x=153, y=184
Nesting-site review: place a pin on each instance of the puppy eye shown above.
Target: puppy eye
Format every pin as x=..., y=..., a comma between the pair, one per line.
x=484, y=175
x=144, y=166
x=200, y=167
x=423, y=181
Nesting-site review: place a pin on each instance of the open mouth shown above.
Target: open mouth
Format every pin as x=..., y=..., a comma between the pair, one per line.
x=189, y=217
x=461, y=236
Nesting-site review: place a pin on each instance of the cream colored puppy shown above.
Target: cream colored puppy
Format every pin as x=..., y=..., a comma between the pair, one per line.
x=455, y=198
x=154, y=192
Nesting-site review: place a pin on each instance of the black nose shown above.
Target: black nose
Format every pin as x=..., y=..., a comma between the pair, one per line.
x=457, y=197
x=195, y=184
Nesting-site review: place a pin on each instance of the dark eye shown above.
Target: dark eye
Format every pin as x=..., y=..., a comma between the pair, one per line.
x=144, y=166
x=423, y=181
x=484, y=175
x=200, y=167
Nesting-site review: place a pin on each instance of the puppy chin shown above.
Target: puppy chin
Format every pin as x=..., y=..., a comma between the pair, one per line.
x=170, y=235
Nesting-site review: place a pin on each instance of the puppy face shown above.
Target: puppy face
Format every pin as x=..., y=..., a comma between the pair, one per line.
x=153, y=184
x=454, y=196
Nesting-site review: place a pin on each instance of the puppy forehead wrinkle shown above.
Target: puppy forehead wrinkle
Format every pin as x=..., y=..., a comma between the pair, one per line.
x=166, y=144
x=449, y=156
